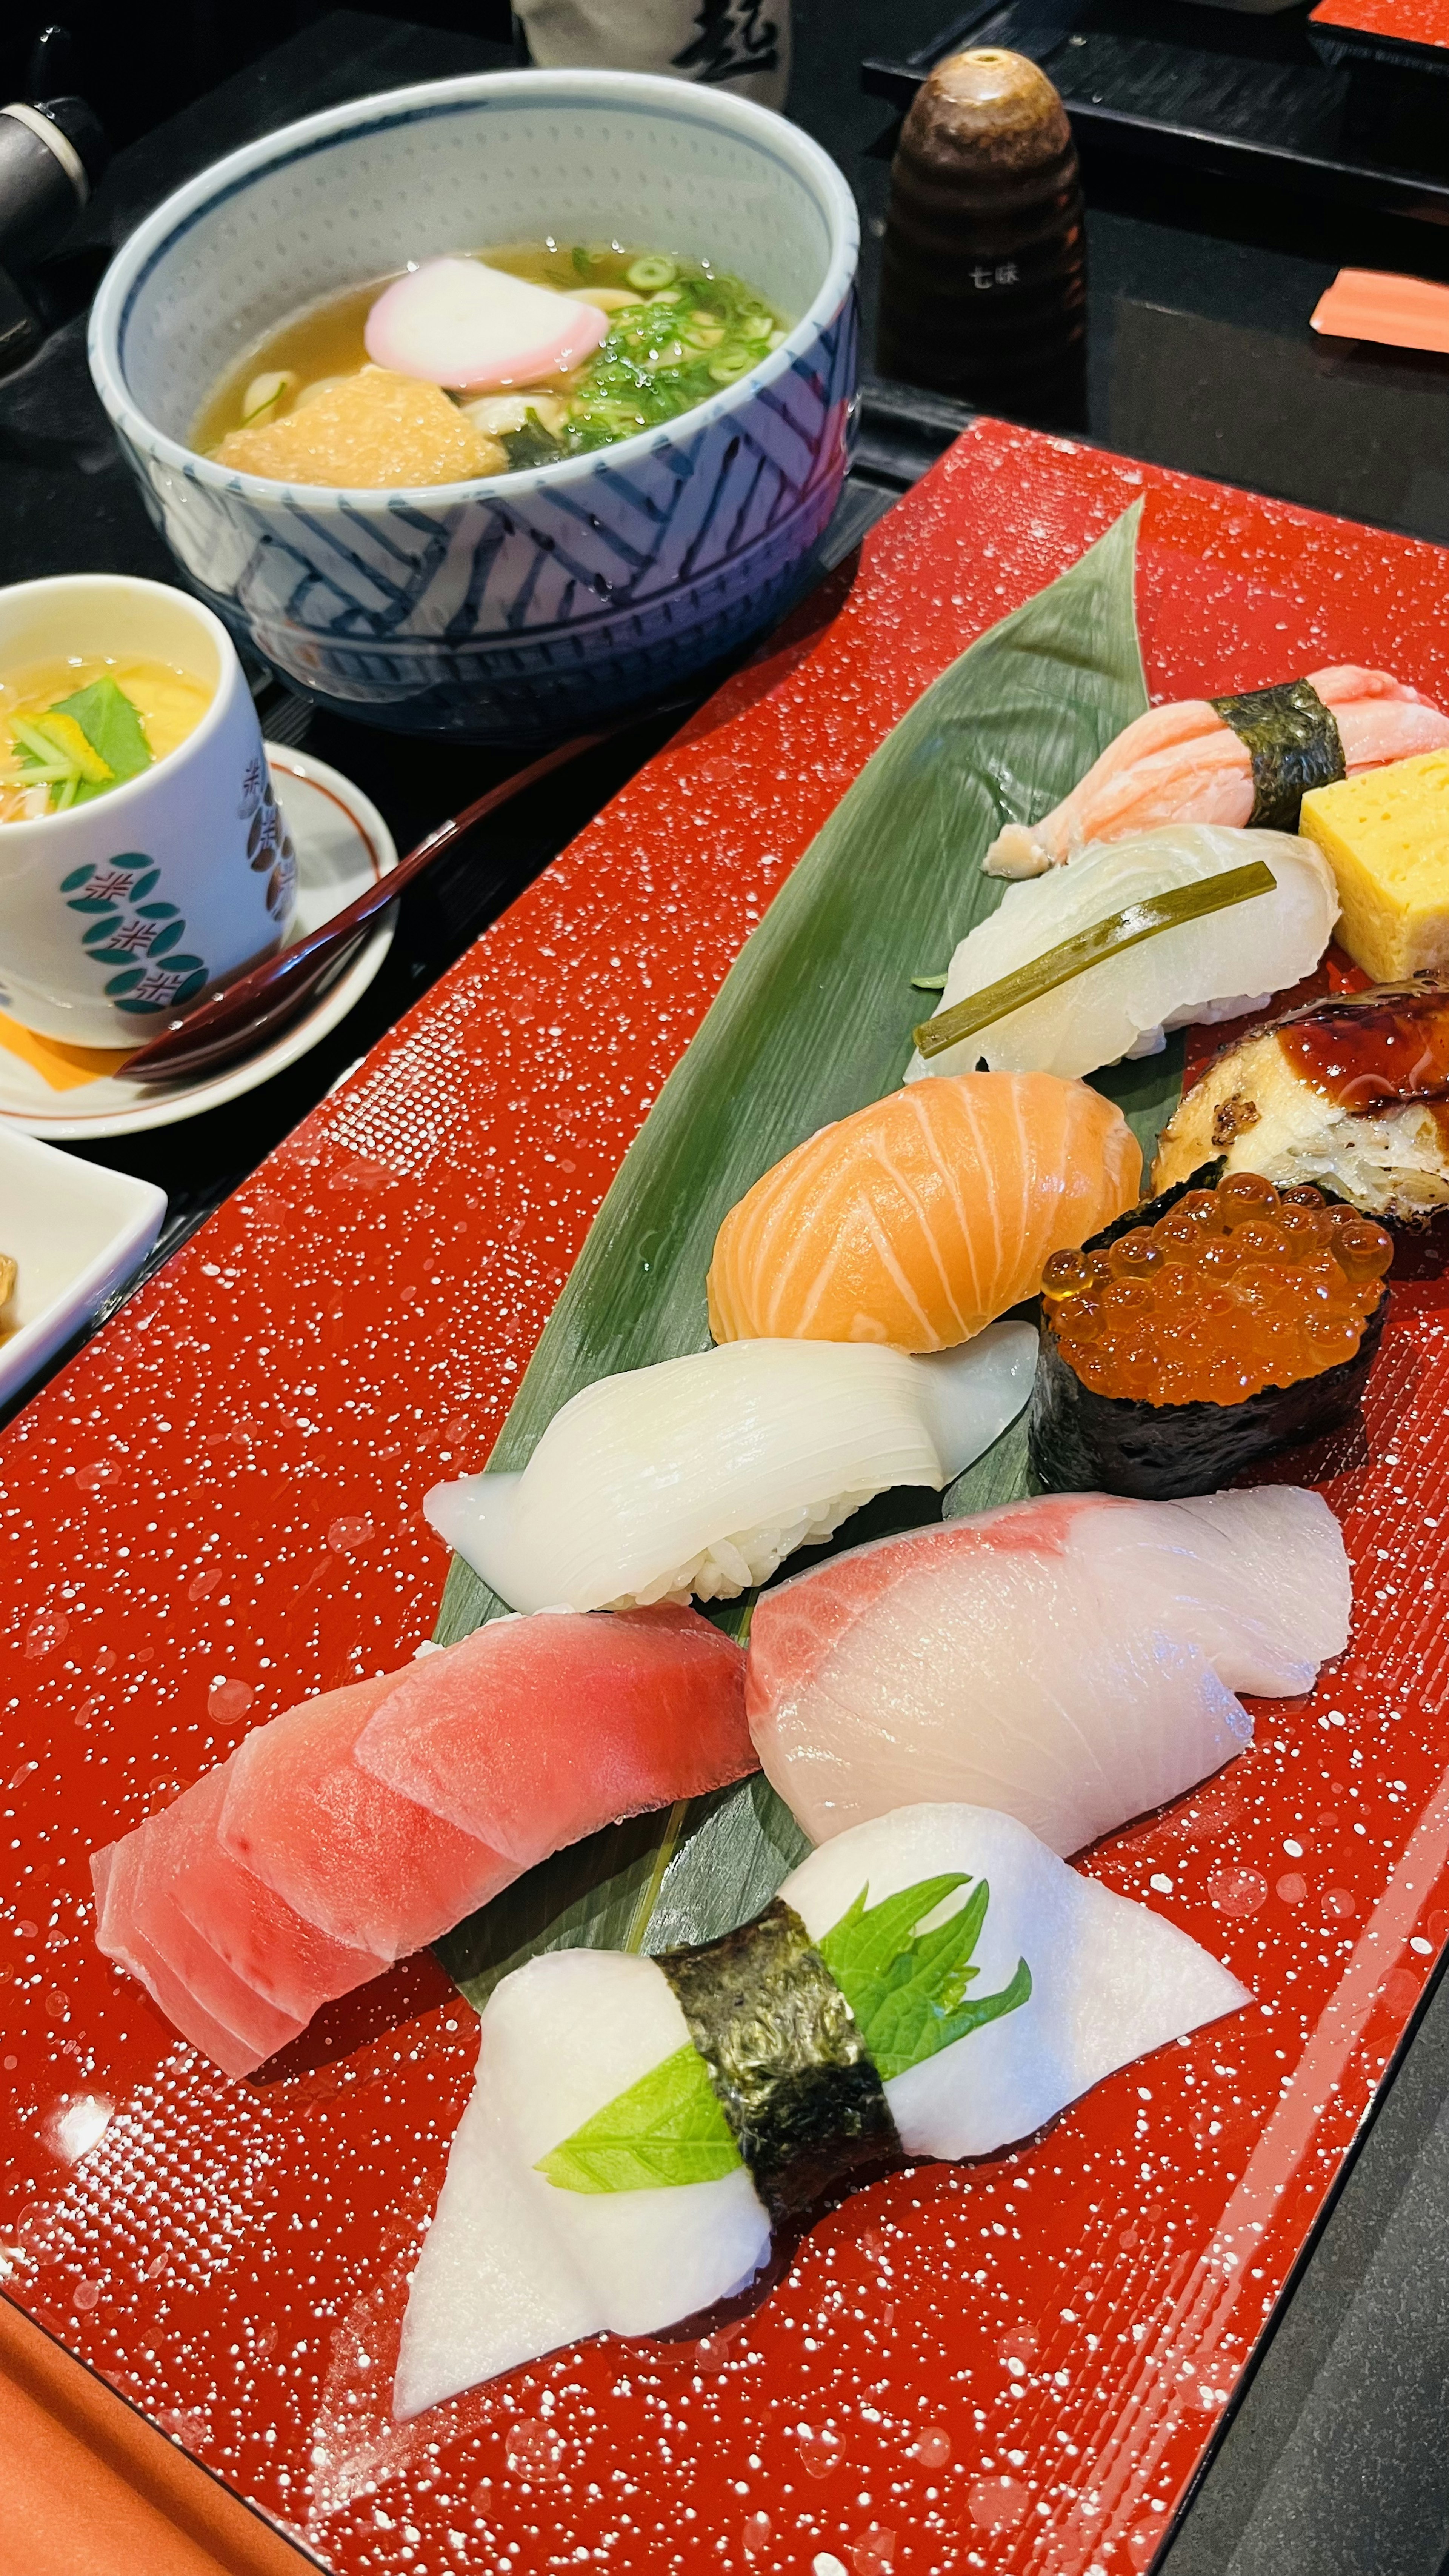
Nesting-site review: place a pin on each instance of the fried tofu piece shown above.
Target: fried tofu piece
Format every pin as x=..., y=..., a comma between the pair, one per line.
x=371, y=432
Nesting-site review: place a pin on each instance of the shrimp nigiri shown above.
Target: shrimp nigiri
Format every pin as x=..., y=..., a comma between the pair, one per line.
x=1189, y=763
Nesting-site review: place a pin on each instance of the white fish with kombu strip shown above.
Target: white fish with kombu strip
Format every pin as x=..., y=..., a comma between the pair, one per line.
x=629, y=2145
x=1207, y=969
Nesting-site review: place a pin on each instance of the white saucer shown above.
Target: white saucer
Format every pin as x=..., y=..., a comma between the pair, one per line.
x=343, y=846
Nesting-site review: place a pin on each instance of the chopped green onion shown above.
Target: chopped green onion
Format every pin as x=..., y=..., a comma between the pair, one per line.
x=928, y=983
x=653, y=268
x=729, y=364
x=1103, y=939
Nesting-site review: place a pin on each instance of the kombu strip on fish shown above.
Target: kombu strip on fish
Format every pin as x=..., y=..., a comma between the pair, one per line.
x=785, y=2055
x=1294, y=744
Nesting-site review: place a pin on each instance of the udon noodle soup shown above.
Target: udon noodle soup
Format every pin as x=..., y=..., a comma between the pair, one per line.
x=485, y=364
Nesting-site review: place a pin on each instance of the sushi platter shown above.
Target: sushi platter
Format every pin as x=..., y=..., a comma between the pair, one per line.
x=1099, y=1857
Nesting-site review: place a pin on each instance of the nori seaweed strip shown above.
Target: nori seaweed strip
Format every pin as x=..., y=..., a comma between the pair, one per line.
x=1081, y=1442
x=786, y=2058
x=1294, y=743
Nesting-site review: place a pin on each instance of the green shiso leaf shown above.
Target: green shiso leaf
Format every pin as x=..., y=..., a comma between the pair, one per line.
x=1126, y=928
x=813, y=1020
x=907, y=1989
x=112, y=726
x=667, y=2129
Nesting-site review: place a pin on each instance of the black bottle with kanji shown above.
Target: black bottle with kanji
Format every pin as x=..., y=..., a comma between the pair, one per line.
x=984, y=273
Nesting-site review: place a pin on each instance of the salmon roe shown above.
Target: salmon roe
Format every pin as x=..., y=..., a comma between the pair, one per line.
x=1233, y=1290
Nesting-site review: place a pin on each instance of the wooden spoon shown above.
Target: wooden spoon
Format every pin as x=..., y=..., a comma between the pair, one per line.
x=235, y=1018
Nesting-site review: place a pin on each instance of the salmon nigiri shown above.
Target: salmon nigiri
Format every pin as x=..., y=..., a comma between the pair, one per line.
x=1188, y=763
x=917, y=1220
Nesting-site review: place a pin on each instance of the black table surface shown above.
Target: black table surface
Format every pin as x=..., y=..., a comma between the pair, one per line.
x=1336, y=2460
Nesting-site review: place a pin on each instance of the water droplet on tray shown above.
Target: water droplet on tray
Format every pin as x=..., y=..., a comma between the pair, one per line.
x=931, y=2449
x=226, y=1701
x=997, y=2504
x=819, y=2452
x=534, y=2451
x=874, y=2553
x=348, y=1533
x=1238, y=1891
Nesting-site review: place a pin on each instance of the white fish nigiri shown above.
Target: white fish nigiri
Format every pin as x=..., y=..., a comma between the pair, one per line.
x=1211, y=969
x=1073, y=1660
x=515, y=2264
x=700, y=1475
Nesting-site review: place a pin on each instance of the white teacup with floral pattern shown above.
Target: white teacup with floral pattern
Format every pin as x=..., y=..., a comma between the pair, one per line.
x=120, y=911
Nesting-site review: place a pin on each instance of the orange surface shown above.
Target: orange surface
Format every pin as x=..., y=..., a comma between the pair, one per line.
x=1401, y=312
x=65, y=1068
x=91, y=2489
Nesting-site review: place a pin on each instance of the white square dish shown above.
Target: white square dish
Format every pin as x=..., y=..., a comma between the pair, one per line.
x=75, y=1231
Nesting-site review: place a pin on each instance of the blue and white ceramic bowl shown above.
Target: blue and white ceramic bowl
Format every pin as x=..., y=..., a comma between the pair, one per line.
x=523, y=608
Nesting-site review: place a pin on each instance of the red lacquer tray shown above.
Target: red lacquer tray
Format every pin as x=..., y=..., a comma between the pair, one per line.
x=1011, y=2367
x=1413, y=23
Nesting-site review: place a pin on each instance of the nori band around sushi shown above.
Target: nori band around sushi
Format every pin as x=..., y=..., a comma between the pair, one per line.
x=785, y=2056
x=1081, y=1442
x=1294, y=744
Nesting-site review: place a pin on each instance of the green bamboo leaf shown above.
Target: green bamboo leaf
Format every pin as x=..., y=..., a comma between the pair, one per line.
x=813, y=1021
x=666, y=2130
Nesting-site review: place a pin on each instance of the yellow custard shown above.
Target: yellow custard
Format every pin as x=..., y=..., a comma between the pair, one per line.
x=48, y=758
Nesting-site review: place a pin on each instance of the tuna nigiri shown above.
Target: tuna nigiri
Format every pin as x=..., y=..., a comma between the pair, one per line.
x=613, y=2172
x=1187, y=763
x=1214, y=968
x=920, y=1218
x=366, y=1822
x=1072, y=1660
x=702, y=1474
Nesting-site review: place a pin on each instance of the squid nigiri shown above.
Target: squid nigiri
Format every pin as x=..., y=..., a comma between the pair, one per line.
x=920, y=1218
x=1073, y=1660
x=701, y=1475
x=1241, y=760
x=639, y=2126
x=1122, y=1004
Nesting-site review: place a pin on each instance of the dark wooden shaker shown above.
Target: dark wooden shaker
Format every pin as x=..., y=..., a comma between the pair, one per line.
x=984, y=274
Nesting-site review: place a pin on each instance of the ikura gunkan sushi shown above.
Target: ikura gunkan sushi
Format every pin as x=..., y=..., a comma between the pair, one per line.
x=639, y=2127
x=1218, y=1324
x=701, y=1475
x=1248, y=758
x=923, y=1216
x=1071, y=1659
x=366, y=1822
